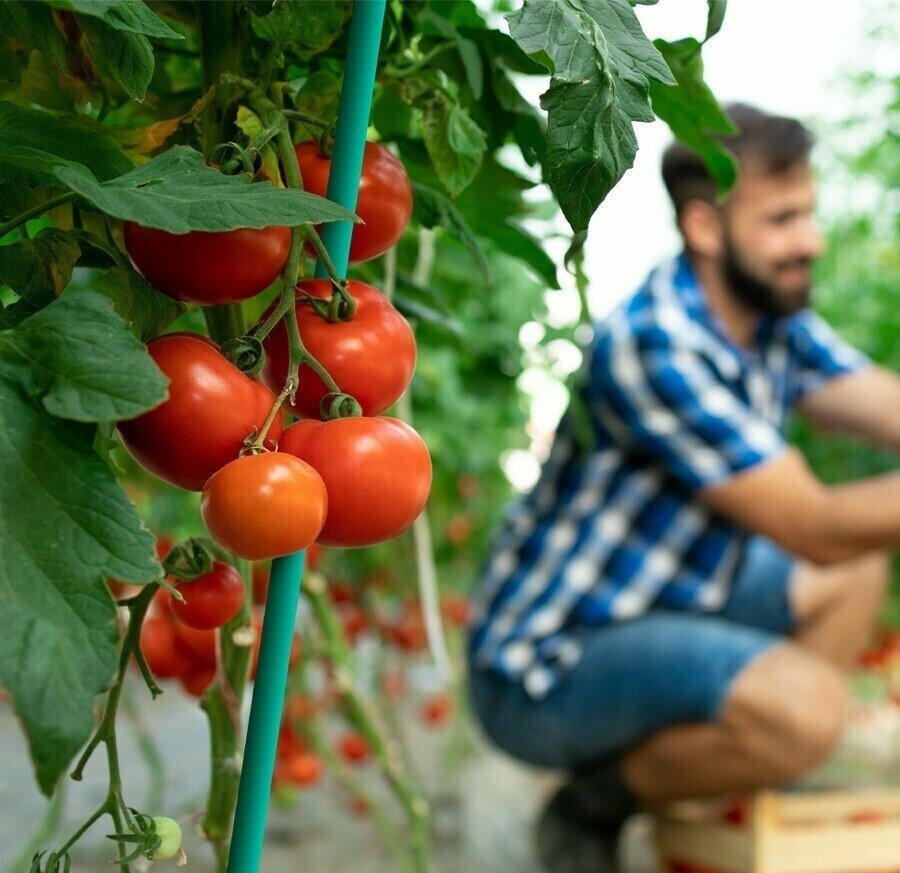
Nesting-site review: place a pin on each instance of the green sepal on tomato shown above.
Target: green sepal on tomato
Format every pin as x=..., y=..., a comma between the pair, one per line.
x=211, y=409
x=371, y=357
x=208, y=268
x=384, y=202
x=377, y=472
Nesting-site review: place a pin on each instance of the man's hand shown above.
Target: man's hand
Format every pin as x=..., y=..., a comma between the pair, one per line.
x=864, y=404
x=784, y=500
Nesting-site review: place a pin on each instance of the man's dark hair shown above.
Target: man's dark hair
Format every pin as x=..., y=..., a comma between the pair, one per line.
x=774, y=141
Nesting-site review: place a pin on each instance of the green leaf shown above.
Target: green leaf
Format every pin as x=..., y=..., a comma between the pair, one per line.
x=715, y=17
x=38, y=269
x=304, y=27
x=251, y=124
x=83, y=361
x=43, y=83
x=124, y=56
x=601, y=62
x=496, y=218
x=177, y=192
x=412, y=308
x=65, y=522
x=32, y=143
x=33, y=25
x=433, y=209
x=319, y=95
x=455, y=143
x=146, y=312
x=133, y=16
x=692, y=112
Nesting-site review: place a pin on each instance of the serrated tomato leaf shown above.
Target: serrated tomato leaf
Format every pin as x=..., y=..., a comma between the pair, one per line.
x=38, y=269
x=121, y=55
x=692, y=112
x=75, y=358
x=177, y=192
x=601, y=64
x=132, y=16
x=32, y=143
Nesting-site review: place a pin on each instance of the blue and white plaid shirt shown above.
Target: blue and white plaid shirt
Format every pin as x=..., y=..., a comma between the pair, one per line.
x=672, y=406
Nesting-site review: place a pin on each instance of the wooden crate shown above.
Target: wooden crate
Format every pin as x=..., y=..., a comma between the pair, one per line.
x=853, y=831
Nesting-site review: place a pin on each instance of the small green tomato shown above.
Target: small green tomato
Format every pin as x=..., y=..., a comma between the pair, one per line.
x=169, y=831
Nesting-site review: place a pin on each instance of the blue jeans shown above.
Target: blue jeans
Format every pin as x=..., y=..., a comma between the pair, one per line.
x=640, y=675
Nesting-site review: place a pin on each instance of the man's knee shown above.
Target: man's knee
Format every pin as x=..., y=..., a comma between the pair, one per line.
x=788, y=709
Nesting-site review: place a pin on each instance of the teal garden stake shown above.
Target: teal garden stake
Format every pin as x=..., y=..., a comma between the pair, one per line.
x=284, y=588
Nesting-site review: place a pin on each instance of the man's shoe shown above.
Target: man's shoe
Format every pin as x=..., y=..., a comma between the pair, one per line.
x=578, y=831
x=567, y=842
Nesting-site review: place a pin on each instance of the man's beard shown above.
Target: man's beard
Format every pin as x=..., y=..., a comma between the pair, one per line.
x=759, y=294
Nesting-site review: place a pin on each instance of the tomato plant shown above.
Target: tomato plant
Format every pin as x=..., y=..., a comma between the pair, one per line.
x=162, y=166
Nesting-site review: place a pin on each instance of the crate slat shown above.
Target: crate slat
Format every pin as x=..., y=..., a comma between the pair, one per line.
x=789, y=833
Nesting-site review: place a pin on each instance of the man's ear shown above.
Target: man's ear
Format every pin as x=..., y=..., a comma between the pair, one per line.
x=701, y=226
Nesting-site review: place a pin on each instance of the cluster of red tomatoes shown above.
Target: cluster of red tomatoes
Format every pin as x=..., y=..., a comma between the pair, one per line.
x=343, y=482
x=399, y=625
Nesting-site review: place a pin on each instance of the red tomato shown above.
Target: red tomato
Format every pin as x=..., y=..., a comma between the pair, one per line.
x=261, y=583
x=394, y=684
x=736, y=813
x=341, y=591
x=384, y=202
x=467, y=485
x=354, y=747
x=436, y=710
x=353, y=620
x=458, y=529
x=304, y=769
x=211, y=600
x=208, y=268
x=372, y=356
x=456, y=608
x=288, y=742
x=159, y=648
x=263, y=506
x=211, y=409
x=866, y=816
x=377, y=472
x=409, y=633
x=359, y=805
x=299, y=707
x=197, y=645
x=197, y=680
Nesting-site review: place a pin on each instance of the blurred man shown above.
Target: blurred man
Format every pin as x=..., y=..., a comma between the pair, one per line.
x=672, y=611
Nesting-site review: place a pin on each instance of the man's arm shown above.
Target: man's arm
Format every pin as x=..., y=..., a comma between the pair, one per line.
x=785, y=501
x=865, y=403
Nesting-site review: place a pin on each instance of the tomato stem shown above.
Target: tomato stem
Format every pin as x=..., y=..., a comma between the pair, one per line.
x=35, y=211
x=298, y=353
x=353, y=786
x=220, y=704
x=113, y=804
x=366, y=717
x=259, y=443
